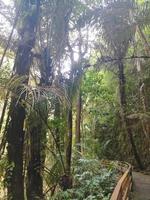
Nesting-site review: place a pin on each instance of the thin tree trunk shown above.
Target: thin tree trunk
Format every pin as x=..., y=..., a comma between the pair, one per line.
x=4, y=110
x=15, y=133
x=57, y=118
x=78, y=123
x=69, y=143
x=66, y=180
x=126, y=122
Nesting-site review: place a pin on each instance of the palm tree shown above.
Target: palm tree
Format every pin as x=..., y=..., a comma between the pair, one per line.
x=15, y=132
x=118, y=31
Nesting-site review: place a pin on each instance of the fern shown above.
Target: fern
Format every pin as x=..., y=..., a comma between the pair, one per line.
x=91, y=181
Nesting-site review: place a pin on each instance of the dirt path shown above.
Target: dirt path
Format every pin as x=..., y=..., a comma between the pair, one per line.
x=141, y=186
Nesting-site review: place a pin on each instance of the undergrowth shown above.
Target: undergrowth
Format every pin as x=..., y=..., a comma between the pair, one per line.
x=92, y=180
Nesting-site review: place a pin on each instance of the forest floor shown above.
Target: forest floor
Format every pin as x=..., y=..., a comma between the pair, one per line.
x=141, y=186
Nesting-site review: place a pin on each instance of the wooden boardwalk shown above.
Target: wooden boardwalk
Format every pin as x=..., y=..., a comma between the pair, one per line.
x=123, y=187
x=141, y=186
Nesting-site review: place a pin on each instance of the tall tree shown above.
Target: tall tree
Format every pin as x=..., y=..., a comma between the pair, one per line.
x=15, y=133
x=125, y=120
x=119, y=44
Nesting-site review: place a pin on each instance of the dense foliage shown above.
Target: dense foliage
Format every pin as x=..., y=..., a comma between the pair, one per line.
x=74, y=89
x=92, y=180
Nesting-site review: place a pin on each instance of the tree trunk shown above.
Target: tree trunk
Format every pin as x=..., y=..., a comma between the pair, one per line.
x=57, y=119
x=4, y=110
x=66, y=180
x=69, y=143
x=78, y=123
x=15, y=138
x=37, y=132
x=15, y=133
x=126, y=122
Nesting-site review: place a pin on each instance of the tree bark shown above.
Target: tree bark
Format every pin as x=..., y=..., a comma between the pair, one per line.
x=37, y=132
x=57, y=118
x=66, y=179
x=15, y=138
x=78, y=123
x=69, y=143
x=35, y=169
x=15, y=133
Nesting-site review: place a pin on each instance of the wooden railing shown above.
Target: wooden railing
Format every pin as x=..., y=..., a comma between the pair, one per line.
x=123, y=187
